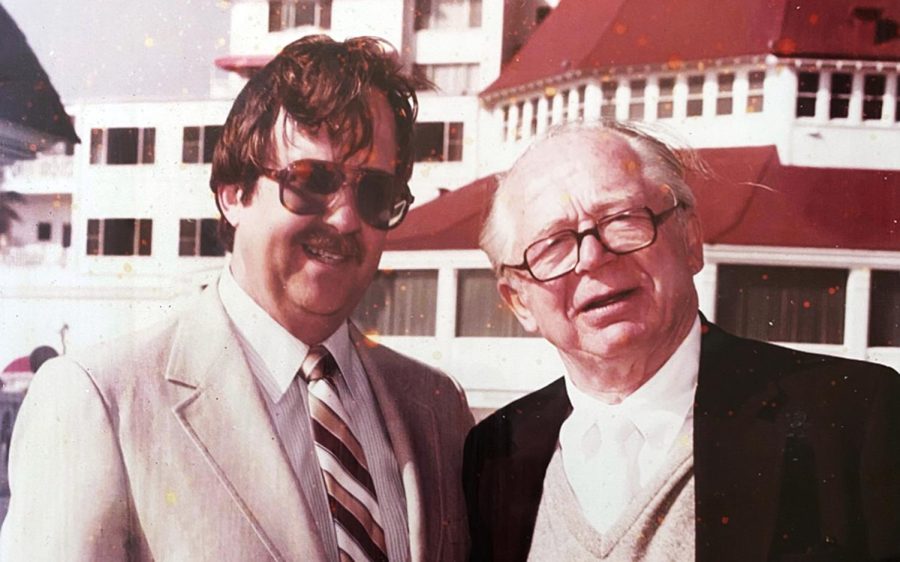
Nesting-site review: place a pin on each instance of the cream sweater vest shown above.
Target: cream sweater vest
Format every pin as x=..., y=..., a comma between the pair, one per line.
x=657, y=526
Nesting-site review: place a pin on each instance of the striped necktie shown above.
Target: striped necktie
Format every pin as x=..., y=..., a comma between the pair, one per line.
x=348, y=482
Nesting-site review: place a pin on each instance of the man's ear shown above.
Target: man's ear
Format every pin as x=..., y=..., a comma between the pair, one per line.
x=228, y=198
x=693, y=237
x=511, y=293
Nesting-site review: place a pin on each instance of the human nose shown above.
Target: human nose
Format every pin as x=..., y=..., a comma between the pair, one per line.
x=591, y=252
x=341, y=212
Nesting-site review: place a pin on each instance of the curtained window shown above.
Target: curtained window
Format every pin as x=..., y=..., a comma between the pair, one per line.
x=479, y=310
x=785, y=304
x=884, y=309
x=399, y=303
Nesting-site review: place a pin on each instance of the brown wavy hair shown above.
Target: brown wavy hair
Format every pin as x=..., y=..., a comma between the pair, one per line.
x=316, y=82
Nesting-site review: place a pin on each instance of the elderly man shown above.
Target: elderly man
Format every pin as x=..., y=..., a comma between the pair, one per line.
x=259, y=424
x=667, y=438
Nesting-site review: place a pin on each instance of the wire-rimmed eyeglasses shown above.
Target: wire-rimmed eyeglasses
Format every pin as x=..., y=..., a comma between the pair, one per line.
x=622, y=233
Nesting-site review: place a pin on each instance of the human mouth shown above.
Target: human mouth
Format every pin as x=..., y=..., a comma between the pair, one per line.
x=607, y=301
x=331, y=249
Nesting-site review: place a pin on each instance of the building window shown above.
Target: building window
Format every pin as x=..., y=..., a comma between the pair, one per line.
x=695, y=96
x=442, y=142
x=450, y=79
x=665, y=105
x=199, y=237
x=841, y=88
x=44, y=231
x=123, y=145
x=119, y=237
x=636, y=101
x=399, y=303
x=874, y=86
x=532, y=127
x=608, y=99
x=479, y=311
x=199, y=143
x=884, y=309
x=807, y=90
x=580, y=92
x=725, y=96
x=785, y=304
x=897, y=108
x=756, y=82
x=447, y=14
x=67, y=235
x=287, y=14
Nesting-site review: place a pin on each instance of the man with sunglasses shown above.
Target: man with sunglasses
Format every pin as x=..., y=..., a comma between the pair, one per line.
x=260, y=424
x=667, y=438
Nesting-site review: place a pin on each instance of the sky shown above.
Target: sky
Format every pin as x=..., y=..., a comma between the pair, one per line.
x=125, y=49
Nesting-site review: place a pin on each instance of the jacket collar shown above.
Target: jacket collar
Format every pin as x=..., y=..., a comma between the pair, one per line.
x=226, y=418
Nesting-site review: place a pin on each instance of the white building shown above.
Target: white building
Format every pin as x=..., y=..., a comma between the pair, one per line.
x=796, y=96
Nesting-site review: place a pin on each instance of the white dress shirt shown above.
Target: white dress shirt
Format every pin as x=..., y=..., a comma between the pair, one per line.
x=644, y=427
x=274, y=356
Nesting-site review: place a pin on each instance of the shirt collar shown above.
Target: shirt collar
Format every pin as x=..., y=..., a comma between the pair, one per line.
x=660, y=407
x=280, y=352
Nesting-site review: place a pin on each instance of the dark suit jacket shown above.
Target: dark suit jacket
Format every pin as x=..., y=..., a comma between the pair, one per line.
x=796, y=457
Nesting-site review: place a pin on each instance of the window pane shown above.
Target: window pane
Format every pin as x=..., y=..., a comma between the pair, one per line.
x=884, y=309
x=429, y=142
x=455, y=142
x=44, y=231
x=211, y=135
x=664, y=108
x=806, y=107
x=118, y=237
x=636, y=107
x=210, y=245
x=756, y=83
x=93, y=237
x=148, y=151
x=67, y=235
x=190, y=145
x=788, y=304
x=841, y=85
x=608, y=101
x=874, y=84
x=695, y=96
x=399, y=303
x=808, y=82
x=275, y=15
x=96, y=146
x=187, y=237
x=479, y=310
x=146, y=237
x=122, y=145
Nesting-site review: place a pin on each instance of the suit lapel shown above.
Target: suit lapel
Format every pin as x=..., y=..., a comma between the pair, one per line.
x=533, y=428
x=407, y=421
x=739, y=438
x=228, y=421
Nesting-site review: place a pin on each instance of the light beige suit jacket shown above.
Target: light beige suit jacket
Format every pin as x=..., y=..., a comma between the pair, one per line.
x=159, y=446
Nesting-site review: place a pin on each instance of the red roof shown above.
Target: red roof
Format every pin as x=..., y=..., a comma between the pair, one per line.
x=18, y=365
x=752, y=200
x=588, y=35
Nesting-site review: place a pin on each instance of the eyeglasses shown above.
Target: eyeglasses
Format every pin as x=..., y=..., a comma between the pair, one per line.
x=622, y=233
x=305, y=187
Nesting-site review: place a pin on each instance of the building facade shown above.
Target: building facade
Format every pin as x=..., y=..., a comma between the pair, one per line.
x=121, y=231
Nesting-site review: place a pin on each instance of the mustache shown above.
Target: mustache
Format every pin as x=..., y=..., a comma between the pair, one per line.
x=331, y=241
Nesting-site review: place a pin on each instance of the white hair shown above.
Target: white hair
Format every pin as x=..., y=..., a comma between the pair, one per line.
x=661, y=163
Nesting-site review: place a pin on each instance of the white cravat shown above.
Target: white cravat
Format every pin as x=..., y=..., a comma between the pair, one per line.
x=613, y=454
x=610, y=452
